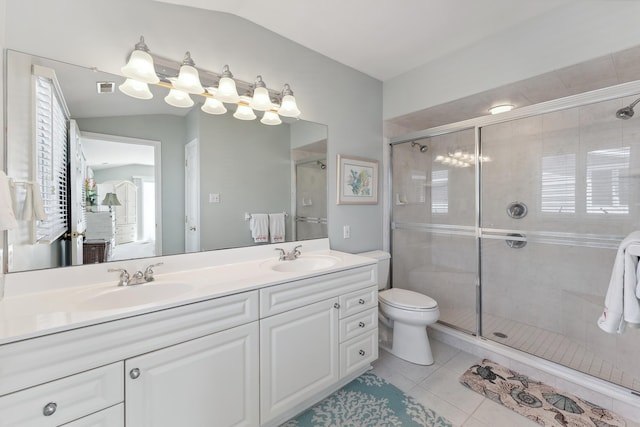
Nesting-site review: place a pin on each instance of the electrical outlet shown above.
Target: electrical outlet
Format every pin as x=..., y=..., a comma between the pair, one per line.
x=346, y=232
x=214, y=197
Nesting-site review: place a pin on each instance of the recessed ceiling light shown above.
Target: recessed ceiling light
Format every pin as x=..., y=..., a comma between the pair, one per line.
x=501, y=108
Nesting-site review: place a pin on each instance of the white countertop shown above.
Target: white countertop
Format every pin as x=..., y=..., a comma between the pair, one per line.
x=70, y=305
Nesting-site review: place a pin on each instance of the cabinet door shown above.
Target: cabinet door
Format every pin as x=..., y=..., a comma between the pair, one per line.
x=210, y=381
x=299, y=356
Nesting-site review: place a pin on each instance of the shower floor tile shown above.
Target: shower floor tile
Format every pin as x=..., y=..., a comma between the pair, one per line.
x=542, y=343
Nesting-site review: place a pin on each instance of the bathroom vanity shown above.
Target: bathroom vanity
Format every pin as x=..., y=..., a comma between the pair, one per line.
x=245, y=341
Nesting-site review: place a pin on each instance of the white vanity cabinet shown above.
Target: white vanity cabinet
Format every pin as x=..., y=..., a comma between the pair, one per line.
x=300, y=338
x=210, y=381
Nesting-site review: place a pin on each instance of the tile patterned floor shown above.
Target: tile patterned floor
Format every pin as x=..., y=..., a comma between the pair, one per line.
x=437, y=387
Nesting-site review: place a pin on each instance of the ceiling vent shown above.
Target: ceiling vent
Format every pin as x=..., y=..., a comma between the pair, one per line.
x=106, y=87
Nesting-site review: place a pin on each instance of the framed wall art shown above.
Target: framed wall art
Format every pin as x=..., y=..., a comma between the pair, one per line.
x=357, y=181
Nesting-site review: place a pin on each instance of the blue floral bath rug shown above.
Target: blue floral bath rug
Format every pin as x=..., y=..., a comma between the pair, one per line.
x=368, y=401
x=535, y=400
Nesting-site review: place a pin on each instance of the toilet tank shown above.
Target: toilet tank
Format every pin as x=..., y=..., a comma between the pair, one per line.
x=384, y=262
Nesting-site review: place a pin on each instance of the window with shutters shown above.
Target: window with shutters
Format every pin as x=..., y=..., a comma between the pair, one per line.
x=50, y=151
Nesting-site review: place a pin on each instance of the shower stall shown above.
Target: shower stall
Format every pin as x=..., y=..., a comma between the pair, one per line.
x=512, y=222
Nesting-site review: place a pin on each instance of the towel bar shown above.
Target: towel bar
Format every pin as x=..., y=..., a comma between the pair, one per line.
x=247, y=215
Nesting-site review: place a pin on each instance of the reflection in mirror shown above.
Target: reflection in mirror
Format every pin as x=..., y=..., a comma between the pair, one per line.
x=143, y=178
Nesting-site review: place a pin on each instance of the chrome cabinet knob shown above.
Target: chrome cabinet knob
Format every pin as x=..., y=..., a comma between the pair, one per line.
x=336, y=306
x=49, y=409
x=361, y=301
x=134, y=373
x=361, y=353
x=361, y=324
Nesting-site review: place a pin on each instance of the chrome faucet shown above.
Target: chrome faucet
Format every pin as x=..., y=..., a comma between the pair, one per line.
x=294, y=254
x=138, y=277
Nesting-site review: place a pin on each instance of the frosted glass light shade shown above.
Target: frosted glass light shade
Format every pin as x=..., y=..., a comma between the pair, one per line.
x=140, y=67
x=270, y=118
x=178, y=98
x=227, y=91
x=213, y=106
x=188, y=80
x=244, y=112
x=261, y=100
x=289, y=108
x=135, y=89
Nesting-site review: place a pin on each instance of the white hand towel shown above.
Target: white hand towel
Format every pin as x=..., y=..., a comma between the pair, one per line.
x=38, y=205
x=277, y=227
x=259, y=226
x=621, y=306
x=7, y=216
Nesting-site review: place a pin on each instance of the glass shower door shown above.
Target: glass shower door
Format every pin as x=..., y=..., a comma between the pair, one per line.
x=434, y=215
x=546, y=268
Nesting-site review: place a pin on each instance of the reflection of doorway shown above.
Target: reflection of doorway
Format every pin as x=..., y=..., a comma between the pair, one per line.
x=114, y=159
x=192, y=196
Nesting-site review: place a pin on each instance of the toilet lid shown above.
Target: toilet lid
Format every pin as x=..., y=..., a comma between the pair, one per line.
x=410, y=300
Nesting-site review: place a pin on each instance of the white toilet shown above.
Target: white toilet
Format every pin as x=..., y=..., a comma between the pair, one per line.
x=407, y=312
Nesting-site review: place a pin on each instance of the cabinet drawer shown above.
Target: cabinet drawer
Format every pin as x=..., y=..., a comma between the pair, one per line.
x=358, y=301
x=110, y=417
x=358, y=324
x=65, y=399
x=358, y=352
x=287, y=296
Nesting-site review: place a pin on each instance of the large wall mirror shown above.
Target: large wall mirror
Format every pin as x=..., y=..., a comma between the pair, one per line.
x=144, y=178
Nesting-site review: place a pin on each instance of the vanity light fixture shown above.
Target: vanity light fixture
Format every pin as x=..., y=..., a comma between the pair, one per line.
x=179, y=99
x=501, y=108
x=270, y=118
x=140, y=66
x=227, y=91
x=143, y=69
x=260, y=100
x=211, y=104
x=289, y=108
x=244, y=112
x=188, y=79
x=136, y=89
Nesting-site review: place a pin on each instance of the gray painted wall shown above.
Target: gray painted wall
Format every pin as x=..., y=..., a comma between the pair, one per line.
x=582, y=30
x=348, y=101
x=248, y=165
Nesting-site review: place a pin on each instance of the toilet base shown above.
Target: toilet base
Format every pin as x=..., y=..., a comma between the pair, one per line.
x=411, y=343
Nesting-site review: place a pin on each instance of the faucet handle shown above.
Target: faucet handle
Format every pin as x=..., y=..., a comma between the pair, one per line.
x=148, y=272
x=124, y=275
x=296, y=252
x=282, y=253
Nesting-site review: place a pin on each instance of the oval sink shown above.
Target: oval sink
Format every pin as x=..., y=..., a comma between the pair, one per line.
x=306, y=263
x=133, y=295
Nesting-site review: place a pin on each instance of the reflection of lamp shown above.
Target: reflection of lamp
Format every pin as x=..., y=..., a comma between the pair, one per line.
x=110, y=199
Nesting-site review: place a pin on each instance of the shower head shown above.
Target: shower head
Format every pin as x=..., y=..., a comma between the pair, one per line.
x=322, y=165
x=423, y=148
x=627, y=112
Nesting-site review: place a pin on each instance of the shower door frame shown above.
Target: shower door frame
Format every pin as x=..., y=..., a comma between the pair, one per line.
x=573, y=101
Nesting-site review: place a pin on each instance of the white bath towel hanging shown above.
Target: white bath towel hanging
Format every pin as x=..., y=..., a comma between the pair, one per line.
x=277, y=227
x=33, y=206
x=259, y=225
x=7, y=215
x=621, y=306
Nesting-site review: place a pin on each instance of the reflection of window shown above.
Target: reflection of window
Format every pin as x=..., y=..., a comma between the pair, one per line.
x=606, y=191
x=419, y=182
x=440, y=191
x=558, y=193
x=51, y=154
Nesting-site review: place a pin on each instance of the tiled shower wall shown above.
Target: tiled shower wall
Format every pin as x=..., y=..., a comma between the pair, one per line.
x=578, y=172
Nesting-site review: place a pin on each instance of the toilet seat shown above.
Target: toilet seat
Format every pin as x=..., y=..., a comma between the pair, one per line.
x=407, y=300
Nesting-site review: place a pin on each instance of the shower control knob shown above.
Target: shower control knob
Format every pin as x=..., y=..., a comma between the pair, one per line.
x=49, y=409
x=336, y=306
x=361, y=353
x=134, y=373
x=361, y=301
x=361, y=324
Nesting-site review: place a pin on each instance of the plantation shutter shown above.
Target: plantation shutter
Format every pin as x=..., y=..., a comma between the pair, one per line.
x=51, y=154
